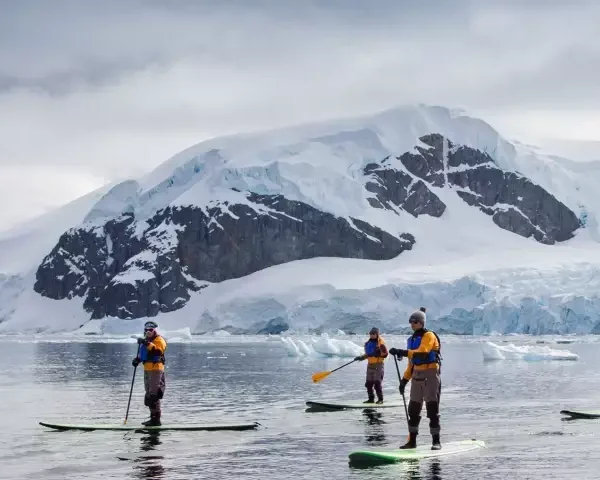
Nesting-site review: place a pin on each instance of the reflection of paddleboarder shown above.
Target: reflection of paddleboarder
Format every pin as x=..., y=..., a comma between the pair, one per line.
x=423, y=370
x=375, y=353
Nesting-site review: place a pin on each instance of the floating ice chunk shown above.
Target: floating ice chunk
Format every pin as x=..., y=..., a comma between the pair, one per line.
x=303, y=348
x=322, y=346
x=529, y=353
x=221, y=333
x=178, y=336
x=336, y=348
x=290, y=347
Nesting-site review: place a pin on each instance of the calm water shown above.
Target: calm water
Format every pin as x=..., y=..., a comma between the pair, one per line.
x=512, y=405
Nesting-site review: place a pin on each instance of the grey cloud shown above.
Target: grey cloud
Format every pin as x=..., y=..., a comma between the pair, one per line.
x=569, y=79
x=61, y=45
x=159, y=69
x=87, y=73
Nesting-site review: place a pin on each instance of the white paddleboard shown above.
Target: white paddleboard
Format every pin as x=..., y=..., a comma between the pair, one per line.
x=382, y=457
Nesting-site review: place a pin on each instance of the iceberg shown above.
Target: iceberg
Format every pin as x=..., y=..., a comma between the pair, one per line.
x=528, y=353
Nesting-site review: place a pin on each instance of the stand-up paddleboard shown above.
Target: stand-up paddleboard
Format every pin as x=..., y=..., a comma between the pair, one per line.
x=133, y=427
x=384, y=457
x=581, y=413
x=344, y=405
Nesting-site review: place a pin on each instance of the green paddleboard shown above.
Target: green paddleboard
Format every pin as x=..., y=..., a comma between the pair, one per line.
x=581, y=413
x=384, y=457
x=344, y=405
x=134, y=427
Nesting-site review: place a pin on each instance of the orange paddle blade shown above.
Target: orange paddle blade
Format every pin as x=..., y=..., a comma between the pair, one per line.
x=317, y=377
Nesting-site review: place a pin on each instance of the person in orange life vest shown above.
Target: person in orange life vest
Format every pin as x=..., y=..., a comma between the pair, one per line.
x=423, y=370
x=375, y=353
x=152, y=355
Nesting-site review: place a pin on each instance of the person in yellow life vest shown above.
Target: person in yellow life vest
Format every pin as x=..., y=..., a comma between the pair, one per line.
x=152, y=355
x=375, y=353
x=423, y=371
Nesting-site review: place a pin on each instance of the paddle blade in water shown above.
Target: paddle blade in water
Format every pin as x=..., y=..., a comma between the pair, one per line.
x=317, y=377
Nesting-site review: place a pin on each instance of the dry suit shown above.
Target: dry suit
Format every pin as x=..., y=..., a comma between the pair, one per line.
x=152, y=355
x=423, y=371
x=375, y=353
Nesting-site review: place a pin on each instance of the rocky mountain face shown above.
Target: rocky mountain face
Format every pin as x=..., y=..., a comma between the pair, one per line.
x=127, y=269
x=514, y=202
x=130, y=269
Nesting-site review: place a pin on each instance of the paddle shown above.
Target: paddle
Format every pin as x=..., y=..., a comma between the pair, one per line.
x=131, y=390
x=317, y=377
x=401, y=393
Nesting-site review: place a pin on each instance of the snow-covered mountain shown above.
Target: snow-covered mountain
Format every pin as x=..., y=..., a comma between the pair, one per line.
x=326, y=226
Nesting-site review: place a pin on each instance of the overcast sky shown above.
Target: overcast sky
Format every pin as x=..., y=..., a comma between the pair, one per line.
x=91, y=91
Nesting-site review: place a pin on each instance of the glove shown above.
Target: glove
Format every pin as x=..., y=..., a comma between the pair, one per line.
x=403, y=384
x=136, y=361
x=359, y=358
x=399, y=352
x=142, y=341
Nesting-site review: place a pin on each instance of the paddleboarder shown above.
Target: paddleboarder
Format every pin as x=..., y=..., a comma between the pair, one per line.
x=152, y=355
x=375, y=353
x=423, y=371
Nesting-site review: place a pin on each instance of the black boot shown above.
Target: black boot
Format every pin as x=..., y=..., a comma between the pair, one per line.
x=412, y=441
x=154, y=420
x=379, y=392
x=369, y=387
x=433, y=412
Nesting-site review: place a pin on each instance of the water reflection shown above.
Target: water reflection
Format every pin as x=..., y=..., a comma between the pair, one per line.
x=149, y=441
x=149, y=463
x=374, y=432
x=428, y=470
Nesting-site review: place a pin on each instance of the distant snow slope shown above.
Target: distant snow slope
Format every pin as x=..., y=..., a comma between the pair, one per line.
x=23, y=247
x=473, y=276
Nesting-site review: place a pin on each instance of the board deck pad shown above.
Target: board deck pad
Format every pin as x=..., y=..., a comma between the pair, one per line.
x=139, y=427
x=383, y=457
x=357, y=404
x=581, y=413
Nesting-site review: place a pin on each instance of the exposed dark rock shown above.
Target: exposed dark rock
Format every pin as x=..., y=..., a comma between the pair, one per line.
x=237, y=240
x=429, y=163
x=515, y=203
x=395, y=187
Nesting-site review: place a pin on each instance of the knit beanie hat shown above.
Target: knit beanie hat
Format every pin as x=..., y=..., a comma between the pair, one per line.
x=419, y=315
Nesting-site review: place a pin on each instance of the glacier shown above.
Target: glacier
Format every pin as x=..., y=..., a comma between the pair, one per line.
x=473, y=277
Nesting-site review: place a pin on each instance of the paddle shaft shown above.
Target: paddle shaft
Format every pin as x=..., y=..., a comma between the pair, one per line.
x=345, y=365
x=131, y=389
x=401, y=393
